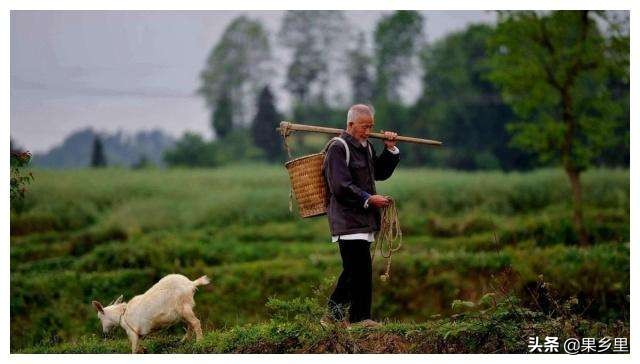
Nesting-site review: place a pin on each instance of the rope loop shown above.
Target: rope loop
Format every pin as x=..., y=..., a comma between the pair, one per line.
x=389, y=234
x=285, y=131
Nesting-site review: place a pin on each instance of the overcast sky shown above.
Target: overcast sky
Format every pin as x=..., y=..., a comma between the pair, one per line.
x=134, y=71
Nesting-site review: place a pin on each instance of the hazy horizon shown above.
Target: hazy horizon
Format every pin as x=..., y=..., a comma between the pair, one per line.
x=138, y=70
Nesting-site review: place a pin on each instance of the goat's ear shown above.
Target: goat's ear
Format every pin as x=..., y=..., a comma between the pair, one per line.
x=98, y=306
x=118, y=300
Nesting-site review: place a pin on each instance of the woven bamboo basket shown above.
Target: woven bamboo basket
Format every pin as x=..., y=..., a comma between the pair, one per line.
x=308, y=185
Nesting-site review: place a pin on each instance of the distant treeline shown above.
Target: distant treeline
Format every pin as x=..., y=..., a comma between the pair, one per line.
x=535, y=89
x=87, y=147
x=473, y=94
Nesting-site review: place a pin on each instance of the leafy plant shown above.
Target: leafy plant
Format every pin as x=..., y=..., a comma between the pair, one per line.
x=19, y=178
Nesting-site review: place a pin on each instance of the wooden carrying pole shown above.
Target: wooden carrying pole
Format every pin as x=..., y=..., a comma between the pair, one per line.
x=287, y=127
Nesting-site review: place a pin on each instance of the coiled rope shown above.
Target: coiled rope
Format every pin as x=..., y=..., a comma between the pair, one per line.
x=389, y=234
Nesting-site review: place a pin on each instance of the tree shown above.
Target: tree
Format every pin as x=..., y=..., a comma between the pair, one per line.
x=305, y=69
x=459, y=105
x=222, y=117
x=318, y=40
x=237, y=68
x=553, y=68
x=264, y=125
x=98, y=159
x=398, y=39
x=191, y=151
x=358, y=66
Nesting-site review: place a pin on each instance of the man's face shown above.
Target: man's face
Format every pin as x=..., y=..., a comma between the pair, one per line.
x=361, y=127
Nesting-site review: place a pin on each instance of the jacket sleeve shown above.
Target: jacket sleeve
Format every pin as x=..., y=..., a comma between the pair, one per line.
x=339, y=180
x=384, y=164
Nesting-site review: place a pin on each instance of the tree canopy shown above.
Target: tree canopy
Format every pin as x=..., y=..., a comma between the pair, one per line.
x=237, y=68
x=555, y=71
x=398, y=39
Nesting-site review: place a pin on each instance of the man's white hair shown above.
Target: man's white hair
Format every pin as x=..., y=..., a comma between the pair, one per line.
x=358, y=110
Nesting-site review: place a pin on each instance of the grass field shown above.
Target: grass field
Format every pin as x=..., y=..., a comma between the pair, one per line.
x=469, y=238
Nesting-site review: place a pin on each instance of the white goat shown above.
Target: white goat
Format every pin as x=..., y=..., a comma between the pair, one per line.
x=167, y=302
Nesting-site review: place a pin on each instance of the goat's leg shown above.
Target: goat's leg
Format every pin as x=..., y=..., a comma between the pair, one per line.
x=193, y=321
x=187, y=334
x=133, y=337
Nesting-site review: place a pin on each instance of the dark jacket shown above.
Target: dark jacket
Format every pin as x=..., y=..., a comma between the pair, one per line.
x=350, y=186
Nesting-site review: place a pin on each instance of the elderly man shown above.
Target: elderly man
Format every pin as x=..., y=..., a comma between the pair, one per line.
x=353, y=210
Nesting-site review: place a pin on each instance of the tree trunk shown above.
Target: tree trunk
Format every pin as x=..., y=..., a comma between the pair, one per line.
x=578, y=221
x=567, y=150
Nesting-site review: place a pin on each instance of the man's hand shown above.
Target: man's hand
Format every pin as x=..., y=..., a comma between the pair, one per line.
x=390, y=142
x=378, y=201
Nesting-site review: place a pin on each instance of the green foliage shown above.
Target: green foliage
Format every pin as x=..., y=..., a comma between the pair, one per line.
x=391, y=116
x=236, y=70
x=96, y=234
x=459, y=106
x=264, y=125
x=298, y=309
x=554, y=71
x=317, y=39
x=536, y=90
x=502, y=328
x=98, y=158
x=222, y=117
x=238, y=146
x=358, y=69
x=398, y=39
x=19, y=178
x=191, y=150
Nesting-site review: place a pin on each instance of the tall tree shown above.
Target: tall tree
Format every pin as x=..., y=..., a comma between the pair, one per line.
x=97, y=154
x=237, y=68
x=222, y=117
x=358, y=68
x=264, y=124
x=304, y=71
x=318, y=41
x=553, y=70
x=398, y=39
x=458, y=104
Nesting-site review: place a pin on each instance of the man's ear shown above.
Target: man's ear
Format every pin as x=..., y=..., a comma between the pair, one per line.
x=98, y=306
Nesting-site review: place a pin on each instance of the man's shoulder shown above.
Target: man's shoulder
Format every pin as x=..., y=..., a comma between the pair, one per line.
x=335, y=153
x=336, y=147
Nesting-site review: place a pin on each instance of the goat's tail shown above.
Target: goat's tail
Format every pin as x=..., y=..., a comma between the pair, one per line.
x=202, y=281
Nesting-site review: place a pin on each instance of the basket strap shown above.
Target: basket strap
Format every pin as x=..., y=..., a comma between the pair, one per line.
x=346, y=147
